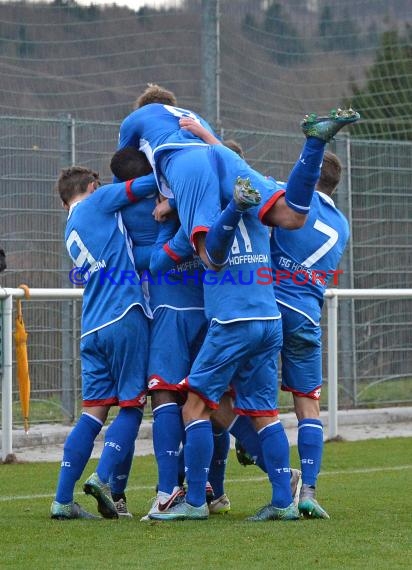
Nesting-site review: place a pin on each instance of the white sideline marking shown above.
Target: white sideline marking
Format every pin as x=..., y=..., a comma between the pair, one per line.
x=236, y=480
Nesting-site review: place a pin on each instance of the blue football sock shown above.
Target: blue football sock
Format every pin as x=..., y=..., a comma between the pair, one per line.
x=243, y=430
x=120, y=475
x=221, y=446
x=310, y=447
x=219, y=238
x=119, y=440
x=167, y=436
x=275, y=448
x=77, y=450
x=198, y=455
x=181, y=467
x=304, y=175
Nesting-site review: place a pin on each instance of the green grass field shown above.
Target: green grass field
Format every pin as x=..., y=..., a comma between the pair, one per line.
x=365, y=486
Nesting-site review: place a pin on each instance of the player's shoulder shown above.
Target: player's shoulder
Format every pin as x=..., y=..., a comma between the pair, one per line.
x=324, y=208
x=325, y=202
x=139, y=114
x=130, y=117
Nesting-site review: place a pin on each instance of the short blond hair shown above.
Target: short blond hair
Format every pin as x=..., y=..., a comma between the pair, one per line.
x=155, y=94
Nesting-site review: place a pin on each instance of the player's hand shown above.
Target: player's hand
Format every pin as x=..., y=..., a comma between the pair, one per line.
x=162, y=211
x=188, y=124
x=194, y=127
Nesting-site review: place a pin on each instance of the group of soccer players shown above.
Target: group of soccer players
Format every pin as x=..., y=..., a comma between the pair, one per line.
x=183, y=304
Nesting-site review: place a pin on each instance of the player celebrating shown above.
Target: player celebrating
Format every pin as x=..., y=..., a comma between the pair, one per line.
x=184, y=161
x=114, y=336
x=244, y=340
x=179, y=322
x=311, y=254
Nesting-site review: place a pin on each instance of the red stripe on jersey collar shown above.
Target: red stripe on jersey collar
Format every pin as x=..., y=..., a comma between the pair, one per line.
x=129, y=192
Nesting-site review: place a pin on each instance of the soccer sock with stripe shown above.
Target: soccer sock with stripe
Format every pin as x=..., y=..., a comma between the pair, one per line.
x=221, y=446
x=167, y=436
x=120, y=476
x=198, y=455
x=275, y=448
x=181, y=467
x=310, y=447
x=119, y=440
x=219, y=238
x=77, y=450
x=304, y=175
x=243, y=430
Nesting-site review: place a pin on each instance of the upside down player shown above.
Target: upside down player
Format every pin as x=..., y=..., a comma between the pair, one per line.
x=314, y=251
x=182, y=165
x=244, y=338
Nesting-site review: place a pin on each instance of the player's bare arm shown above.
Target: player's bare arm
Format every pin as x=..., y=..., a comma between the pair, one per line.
x=194, y=127
x=281, y=215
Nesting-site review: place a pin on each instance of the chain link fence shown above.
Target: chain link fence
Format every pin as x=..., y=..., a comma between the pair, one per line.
x=375, y=352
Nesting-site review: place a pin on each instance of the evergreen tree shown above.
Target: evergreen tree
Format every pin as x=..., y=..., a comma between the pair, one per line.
x=24, y=47
x=326, y=28
x=338, y=35
x=385, y=102
x=288, y=46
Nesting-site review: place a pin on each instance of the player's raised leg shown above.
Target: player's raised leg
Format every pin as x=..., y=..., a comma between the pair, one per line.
x=220, y=237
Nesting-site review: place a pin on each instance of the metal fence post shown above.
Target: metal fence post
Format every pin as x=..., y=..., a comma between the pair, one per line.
x=343, y=198
x=211, y=62
x=7, y=378
x=75, y=352
x=67, y=159
x=332, y=307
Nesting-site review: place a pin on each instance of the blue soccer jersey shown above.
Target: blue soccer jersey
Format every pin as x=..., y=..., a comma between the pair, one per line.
x=187, y=176
x=181, y=280
x=305, y=260
x=176, y=297
x=154, y=129
x=139, y=221
x=229, y=166
x=100, y=248
x=241, y=290
x=178, y=287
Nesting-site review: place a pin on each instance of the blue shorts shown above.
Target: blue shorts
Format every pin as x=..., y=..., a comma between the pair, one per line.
x=301, y=354
x=229, y=166
x=197, y=192
x=114, y=362
x=209, y=178
x=243, y=354
x=175, y=340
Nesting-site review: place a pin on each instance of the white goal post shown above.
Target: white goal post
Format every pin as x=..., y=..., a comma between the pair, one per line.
x=7, y=295
x=332, y=296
